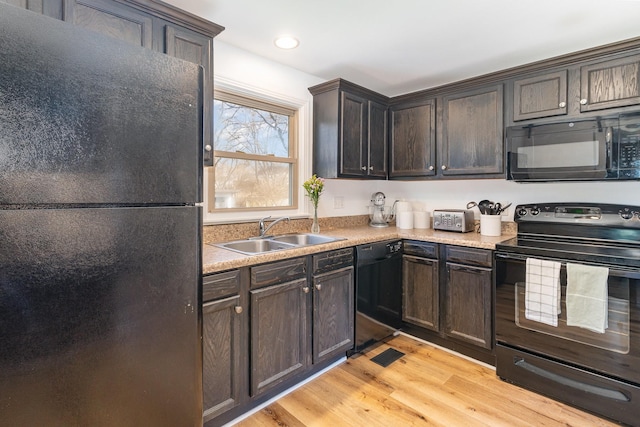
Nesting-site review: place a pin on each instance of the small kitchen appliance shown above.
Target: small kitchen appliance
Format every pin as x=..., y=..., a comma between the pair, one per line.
x=460, y=220
x=601, y=148
x=379, y=214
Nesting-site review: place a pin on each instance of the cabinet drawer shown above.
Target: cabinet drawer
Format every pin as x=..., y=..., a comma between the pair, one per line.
x=462, y=255
x=278, y=272
x=423, y=249
x=332, y=260
x=220, y=284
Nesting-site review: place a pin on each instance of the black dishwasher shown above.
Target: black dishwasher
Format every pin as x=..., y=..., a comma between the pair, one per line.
x=378, y=292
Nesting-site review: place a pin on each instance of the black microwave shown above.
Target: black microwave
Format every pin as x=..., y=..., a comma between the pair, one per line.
x=601, y=148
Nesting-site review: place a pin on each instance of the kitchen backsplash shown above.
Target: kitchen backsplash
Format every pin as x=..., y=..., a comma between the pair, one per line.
x=226, y=232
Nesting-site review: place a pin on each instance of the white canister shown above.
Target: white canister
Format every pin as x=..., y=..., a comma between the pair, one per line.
x=491, y=225
x=421, y=219
x=403, y=207
x=404, y=220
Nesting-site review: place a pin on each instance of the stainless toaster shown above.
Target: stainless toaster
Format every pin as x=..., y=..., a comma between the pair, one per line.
x=460, y=220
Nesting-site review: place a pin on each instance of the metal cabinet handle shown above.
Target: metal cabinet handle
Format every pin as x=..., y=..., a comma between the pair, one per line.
x=431, y=168
x=583, y=102
x=370, y=168
x=318, y=286
x=364, y=168
x=207, y=148
x=562, y=104
x=238, y=309
x=444, y=167
x=305, y=289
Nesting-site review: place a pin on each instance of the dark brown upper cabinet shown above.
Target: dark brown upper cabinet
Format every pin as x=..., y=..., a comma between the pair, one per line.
x=412, y=144
x=349, y=131
x=610, y=84
x=51, y=8
x=113, y=19
x=471, y=140
x=544, y=95
x=158, y=26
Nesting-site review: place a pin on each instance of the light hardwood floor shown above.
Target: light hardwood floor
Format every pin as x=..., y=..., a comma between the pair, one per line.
x=426, y=387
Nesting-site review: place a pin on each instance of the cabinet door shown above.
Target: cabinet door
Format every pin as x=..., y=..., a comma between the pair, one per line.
x=610, y=84
x=223, y=355
x=111, y=18
x=377, y=142
x=52, y=8
x=421, y=296
x=353, y=135
x=333, y=309
x=413, y=136
x=197, y=48
x=280, y=339
x=472, y=134
x=333, y=313
x=468, y=304
x=540, y=96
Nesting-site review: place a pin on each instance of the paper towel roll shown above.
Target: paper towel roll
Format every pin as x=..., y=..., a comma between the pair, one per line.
x=421, y=219
x=404, y=219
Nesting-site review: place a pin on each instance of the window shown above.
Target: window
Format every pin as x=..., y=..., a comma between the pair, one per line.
x=255, y=155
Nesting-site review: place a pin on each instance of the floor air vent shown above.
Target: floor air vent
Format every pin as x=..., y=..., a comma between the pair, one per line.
x=387, y=357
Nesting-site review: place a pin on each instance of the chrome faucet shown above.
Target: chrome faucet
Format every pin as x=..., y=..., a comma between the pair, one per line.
x=264, y=230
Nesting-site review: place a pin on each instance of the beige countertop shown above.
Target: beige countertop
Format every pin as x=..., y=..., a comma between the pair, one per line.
x=216, y=259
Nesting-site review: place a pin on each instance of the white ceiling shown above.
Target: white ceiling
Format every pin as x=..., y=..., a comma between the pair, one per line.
x=399, y=46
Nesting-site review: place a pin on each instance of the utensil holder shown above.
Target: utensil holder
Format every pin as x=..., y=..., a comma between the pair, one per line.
x=490, y=225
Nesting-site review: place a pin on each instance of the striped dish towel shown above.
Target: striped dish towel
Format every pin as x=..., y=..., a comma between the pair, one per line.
x=542, y=291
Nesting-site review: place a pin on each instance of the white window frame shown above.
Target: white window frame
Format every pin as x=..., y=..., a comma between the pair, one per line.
x=303, y=149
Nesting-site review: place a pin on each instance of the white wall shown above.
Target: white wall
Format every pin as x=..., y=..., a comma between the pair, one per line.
x=455, y=194
x=241, y=70
x=245, y=73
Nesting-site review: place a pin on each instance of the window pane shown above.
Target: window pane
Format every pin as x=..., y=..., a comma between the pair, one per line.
x=250, y=130
x=251, y=184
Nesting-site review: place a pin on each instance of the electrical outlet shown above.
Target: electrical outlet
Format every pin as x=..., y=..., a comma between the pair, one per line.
x=338, y=202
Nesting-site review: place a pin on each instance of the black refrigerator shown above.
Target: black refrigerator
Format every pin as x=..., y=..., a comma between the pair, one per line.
x=100, y=234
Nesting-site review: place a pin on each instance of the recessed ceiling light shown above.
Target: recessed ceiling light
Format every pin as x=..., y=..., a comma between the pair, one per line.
x=286, y=42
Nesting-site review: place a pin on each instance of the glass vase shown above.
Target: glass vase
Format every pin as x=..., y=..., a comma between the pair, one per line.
x=315, y=226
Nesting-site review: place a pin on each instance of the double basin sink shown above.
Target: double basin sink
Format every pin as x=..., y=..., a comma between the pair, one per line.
x=259, y=245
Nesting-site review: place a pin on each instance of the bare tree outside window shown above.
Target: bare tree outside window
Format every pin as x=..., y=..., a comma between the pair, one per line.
x=255, y=154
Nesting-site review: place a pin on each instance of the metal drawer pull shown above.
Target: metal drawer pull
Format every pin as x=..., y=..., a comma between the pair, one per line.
x=238, y=309
x=318, y=286
x=305, y=289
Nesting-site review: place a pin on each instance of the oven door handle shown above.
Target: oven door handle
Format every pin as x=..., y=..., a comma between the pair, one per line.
x=616, y=271
x=589, y=388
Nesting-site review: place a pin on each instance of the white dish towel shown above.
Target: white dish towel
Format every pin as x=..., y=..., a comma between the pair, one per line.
x=542, y=291
x=587, y=297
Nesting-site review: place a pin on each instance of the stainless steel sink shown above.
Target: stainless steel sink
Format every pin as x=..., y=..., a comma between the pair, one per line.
x=256, y=246
x=304, y=239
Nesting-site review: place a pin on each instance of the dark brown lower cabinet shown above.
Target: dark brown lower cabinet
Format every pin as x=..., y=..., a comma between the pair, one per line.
x=469, y=298
x=280, y=339
x=333, y=313
x=421, y=292
x=224, y=348
x=447, y=296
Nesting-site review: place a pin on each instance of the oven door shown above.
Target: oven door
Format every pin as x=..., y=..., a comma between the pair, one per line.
x=558, y=152
x=614, y=353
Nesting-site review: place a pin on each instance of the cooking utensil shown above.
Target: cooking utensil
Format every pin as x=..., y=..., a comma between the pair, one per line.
x=503, y=208
x=484, y=206
x=471, y=205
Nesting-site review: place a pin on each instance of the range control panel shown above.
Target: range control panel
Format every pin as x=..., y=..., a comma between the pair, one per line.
x=567, y=213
